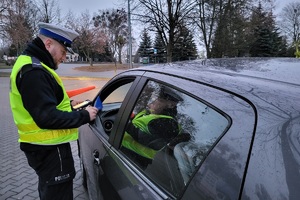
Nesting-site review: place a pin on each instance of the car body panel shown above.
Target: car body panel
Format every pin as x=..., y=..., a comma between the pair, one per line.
x=257, y=157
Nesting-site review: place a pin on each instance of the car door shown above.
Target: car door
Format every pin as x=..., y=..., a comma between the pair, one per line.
x=94, y=137
x=113, y=179
x=209, y=158
x=206, y=116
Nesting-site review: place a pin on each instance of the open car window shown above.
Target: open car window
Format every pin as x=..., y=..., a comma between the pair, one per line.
x=112, y=99
x=118, y=95
x=169, y=133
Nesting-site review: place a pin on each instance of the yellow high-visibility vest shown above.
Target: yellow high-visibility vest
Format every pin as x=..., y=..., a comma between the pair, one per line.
x=28, y=130
x=141, y=121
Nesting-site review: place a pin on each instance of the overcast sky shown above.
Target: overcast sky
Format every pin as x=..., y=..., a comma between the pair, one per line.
x=80, y=6
x=280, y=4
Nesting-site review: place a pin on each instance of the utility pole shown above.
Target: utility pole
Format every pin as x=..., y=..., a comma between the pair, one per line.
x=296, y=34
x=129, y=36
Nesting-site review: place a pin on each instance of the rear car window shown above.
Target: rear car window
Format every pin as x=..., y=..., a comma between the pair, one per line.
x=169, y=133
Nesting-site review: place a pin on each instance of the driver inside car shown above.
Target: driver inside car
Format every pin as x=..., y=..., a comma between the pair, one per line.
x=153, y=128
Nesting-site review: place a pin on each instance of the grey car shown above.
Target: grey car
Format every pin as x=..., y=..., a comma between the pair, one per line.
x=236, y=137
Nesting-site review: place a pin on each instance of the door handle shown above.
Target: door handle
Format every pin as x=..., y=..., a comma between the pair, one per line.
x=96, y=158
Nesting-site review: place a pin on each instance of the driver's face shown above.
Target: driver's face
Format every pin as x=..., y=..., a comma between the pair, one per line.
x=158, y=105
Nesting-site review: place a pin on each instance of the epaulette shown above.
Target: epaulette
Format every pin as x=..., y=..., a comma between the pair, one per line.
x=36, y=64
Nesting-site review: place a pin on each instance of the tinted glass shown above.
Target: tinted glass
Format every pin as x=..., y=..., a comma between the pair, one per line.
x=169, y=133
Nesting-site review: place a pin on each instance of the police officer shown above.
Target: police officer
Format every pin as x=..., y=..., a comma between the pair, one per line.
x=43, y=113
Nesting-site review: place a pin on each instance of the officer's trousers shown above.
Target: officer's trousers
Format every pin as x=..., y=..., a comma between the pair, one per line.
x=54, y=166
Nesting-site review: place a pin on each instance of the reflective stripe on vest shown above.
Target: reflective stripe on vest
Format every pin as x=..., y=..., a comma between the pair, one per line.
x=61, y=135
x=28, y=130
x=138, y=148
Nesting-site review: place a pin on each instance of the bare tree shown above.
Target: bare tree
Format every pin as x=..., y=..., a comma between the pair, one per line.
x=49, y=10
x=165, y=17
x=290, y=23
x=114, y=25
x=205, y=17
x=4, y=5
x=91, y=40
x=16, y=24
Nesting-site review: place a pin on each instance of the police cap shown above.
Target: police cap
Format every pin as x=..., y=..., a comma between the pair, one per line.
x=63, y=35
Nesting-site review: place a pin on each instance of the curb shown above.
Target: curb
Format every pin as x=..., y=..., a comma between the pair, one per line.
x=4, y=74
x=84, y=78
x=7, y=74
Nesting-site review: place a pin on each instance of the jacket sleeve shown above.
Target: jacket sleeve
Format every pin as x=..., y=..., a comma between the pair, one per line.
x=40, y=95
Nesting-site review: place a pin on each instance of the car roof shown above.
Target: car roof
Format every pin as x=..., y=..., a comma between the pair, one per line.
x=268, y=78
x=254, y=71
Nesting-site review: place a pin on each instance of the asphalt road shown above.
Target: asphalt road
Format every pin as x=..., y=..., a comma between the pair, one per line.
x=17, y=179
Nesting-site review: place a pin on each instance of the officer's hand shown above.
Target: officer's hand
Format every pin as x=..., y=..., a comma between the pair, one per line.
x=92, y=111
x=75, y=102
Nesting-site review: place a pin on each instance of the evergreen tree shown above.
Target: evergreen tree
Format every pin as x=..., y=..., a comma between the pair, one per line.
x=265, y=38
x=185, y=47
x=145, y=47
x=229, y=38
x=262, y=47
x=279, y=44
x=161, y=55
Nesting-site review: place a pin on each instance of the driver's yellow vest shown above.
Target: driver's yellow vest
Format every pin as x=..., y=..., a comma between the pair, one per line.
x=141, y=121
x=28, y=130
